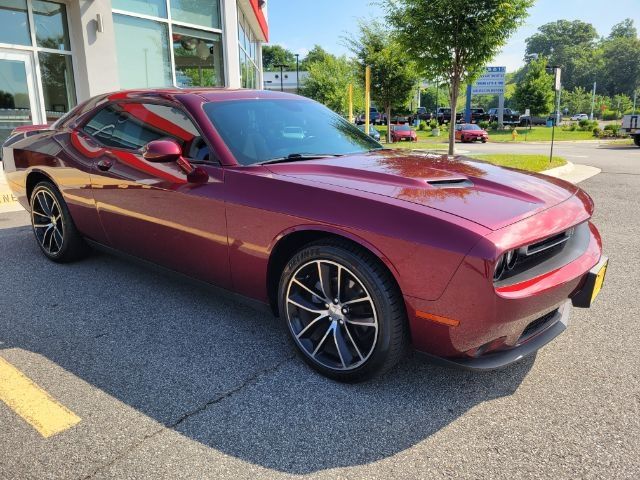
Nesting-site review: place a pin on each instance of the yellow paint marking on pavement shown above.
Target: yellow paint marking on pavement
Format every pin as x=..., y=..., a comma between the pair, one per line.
x=32, y=403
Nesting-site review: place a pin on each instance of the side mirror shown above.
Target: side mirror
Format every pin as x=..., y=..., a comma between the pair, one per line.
x=162, y=151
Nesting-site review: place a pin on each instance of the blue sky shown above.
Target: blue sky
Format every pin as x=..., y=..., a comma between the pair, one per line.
x=300, y=24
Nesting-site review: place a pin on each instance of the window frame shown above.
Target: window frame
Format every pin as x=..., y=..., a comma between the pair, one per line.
x=170, y=22
x=34, y=50
x=213, y=155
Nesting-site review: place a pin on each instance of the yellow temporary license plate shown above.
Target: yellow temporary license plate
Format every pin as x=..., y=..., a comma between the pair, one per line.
x=597, y=286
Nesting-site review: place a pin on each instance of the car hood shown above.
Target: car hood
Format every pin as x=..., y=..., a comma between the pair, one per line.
x=491, y=196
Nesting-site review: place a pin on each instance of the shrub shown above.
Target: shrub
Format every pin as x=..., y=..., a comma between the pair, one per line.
x=433, y=124
x=493, y=125
x=587, y=125
x=610, y=115
x=596, y=131
x=613, y=128
x=483, y=124
x=422, y=126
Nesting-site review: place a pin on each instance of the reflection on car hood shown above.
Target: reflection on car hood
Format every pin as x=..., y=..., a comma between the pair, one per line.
x=488, y=195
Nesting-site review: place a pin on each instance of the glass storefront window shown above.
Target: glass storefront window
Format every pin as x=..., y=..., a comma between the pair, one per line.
x=198, y=58
x=14, y=22
x=142, y=47
x=154, y=8
x=248, y=52
x=51, y=25
x=15, y=108
x=57, y=84
x=197, y=12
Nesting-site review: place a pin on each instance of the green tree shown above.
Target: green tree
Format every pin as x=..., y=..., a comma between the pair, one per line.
x=316, y=54
x=620, y=72
x=577, y=100
x=328, y=83
x=393, y=73
x=569, y=44
x=273, y=55
x=462, y=37
x=624, y=29
x=535, y=90
x=621, y=103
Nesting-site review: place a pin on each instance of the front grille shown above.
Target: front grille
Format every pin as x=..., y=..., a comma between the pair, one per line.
x=547, y=255
x=548, y=243
x=538, y=324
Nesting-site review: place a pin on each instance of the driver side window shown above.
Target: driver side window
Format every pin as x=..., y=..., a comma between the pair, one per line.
x=131, y=125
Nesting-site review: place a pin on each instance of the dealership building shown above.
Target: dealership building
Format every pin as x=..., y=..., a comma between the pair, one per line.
x=54, y=54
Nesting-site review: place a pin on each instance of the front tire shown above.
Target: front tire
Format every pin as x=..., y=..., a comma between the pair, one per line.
x=343, y=311
x=53, y=227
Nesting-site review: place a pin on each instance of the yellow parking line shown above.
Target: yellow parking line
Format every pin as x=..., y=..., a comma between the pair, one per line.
x=32, y=403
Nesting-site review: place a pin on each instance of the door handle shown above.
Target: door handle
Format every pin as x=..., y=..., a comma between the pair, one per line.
x=104, y=165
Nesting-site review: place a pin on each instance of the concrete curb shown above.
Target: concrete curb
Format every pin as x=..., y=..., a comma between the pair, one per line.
x=571, y=172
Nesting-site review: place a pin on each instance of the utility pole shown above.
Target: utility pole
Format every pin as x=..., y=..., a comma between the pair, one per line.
x=297, y=73
x=635, y=94
x=367, y=98
x=350, y=91
x=593, y=100
x=557, y=86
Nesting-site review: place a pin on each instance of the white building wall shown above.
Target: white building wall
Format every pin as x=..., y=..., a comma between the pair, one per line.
x=94, y=53
x=230, y=42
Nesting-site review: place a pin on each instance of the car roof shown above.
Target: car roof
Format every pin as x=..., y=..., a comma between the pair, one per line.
x=210, y=94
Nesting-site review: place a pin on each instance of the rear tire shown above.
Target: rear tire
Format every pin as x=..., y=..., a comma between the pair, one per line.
x=636, y=140
x=343, y=339
x=53, y=227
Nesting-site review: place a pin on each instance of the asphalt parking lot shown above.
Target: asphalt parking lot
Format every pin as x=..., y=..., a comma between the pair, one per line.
x=171, y=380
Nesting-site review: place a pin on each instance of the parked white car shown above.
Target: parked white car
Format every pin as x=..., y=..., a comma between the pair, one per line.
x=580, y=116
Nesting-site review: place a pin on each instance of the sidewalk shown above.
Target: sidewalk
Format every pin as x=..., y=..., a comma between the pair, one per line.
x=571, y=172
x=8, y=203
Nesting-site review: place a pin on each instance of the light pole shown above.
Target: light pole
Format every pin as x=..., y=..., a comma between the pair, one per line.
x=593, y=100
x=297, y=73
x=557, y=85
x=281, y=67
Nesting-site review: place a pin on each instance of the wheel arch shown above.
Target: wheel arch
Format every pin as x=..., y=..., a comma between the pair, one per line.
x=33, y=178
x=290, y=241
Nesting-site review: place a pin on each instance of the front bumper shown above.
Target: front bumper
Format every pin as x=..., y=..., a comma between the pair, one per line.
x=489, y=321
x=557, y=324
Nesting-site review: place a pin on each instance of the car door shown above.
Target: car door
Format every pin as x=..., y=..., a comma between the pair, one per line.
x=150, y=210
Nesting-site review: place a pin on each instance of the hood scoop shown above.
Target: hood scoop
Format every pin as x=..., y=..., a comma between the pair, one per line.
x=451, y=183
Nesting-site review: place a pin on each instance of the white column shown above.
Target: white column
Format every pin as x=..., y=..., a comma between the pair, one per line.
x=230, y=43
x=260, y=85
x=94, y=53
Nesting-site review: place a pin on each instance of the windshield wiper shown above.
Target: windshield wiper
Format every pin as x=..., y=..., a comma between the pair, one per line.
x=295, y=157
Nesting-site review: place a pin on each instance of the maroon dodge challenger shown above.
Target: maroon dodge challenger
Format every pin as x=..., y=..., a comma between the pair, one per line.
x=361, y=251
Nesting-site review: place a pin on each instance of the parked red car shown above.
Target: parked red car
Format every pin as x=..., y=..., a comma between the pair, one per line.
x=361, y=251
x=469, y=132
x=403, y=132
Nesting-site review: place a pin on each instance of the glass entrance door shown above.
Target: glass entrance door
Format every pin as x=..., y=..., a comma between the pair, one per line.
x=18, y=104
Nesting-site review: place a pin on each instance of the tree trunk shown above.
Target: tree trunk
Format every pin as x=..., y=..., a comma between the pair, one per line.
x=453, y=99
x=387, y=111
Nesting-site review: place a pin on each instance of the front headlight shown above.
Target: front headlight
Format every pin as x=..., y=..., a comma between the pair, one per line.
x=505, y=263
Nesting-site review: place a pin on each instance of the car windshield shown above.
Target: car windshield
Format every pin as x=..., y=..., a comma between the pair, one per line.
x=259, y=130
x=469, y=126
x=401, y=128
